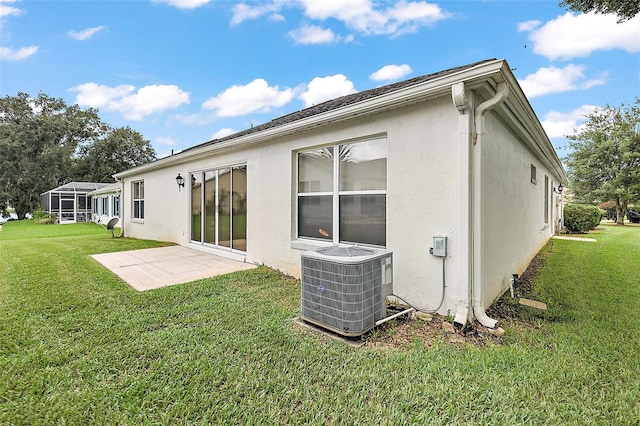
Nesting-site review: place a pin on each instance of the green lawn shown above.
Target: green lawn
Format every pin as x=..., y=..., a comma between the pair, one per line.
x=78, y=346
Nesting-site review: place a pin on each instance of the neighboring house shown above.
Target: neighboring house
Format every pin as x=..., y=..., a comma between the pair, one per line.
x=458, y=153
x=106, y=203
x=70, y=202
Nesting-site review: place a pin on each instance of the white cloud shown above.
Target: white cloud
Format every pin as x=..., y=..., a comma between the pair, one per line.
x=9, y=54
x=255, y=96
x=572, y=36
x=559, y=125
x=223, y=132
x=528, y=25
x=312, y=34
x=391, y=72
x=276, y=17
x=359, y=15
x=166, y=140
x=85, y=34
x=8, y=10
x=99, y=96
x=132, y=105
x=243, y=12
x=557, y=80
x=321, y=89
x=184, y=4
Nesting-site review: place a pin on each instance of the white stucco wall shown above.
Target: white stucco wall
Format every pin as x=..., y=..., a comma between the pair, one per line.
x=422, y=196
x=423, y=200
x=514, y=229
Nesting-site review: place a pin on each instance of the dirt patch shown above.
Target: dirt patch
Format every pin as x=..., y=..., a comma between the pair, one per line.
x=406, y=331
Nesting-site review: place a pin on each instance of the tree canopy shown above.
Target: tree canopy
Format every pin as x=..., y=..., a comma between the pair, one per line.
x=625, y=9
x=117, y=150
x=604, y=164
x=44, y=143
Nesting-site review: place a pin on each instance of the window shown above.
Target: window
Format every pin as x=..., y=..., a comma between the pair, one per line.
x=116, y=205
x=546, y=199
x=533, y=175
x=342, y=193
x=138, y=199
x=105, y=206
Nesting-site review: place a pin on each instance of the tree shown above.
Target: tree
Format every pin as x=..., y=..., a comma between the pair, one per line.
x=625, y=9
x=38, y=140
x=604, y=164
x=119, y=149
x=45, y=143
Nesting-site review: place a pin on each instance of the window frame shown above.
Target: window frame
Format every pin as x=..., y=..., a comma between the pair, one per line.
x=336, y=192
x=547, y=199
x=218, y=199
x=137, y=214
x=116, y=205
x=105, y=206
x=534, y=179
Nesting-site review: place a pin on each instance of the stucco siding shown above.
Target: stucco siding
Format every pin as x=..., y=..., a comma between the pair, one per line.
x=514, y=228
x=439, y=182
x=422, y=196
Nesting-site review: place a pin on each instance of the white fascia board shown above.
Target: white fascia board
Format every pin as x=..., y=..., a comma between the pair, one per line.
x=406, y=96
x=521, y=115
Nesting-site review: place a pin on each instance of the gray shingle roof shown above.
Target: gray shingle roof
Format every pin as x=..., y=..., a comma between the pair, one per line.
x=339, y=103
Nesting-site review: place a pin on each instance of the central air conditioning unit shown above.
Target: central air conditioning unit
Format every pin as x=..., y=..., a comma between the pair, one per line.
x=344, y=288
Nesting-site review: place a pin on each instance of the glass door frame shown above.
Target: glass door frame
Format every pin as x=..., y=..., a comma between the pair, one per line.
x=200, y=176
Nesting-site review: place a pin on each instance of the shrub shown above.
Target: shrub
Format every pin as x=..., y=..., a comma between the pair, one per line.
x=581, y=218
x=42, y=218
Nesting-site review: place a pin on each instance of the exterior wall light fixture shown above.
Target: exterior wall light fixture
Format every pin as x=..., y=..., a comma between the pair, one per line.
x=180, y=181
x=558, y=190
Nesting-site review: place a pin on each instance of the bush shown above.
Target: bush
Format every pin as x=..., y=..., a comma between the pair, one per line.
x=581, y=218
x=42, y=218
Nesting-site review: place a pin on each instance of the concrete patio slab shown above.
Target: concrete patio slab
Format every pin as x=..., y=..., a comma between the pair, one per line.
x=148, y=269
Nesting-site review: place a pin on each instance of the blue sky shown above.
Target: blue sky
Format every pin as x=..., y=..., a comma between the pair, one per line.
x=182, y=72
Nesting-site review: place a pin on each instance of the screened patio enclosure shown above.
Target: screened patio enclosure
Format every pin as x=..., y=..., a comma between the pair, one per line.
x=70, y=202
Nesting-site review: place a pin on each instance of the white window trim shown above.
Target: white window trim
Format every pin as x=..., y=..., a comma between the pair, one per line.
x=307, y=243
x=133, y=201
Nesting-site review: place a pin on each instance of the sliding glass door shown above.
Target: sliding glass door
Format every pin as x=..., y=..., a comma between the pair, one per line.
x=219, y=207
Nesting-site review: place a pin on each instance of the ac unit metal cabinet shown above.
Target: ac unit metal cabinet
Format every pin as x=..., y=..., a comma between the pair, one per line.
x=344, y=288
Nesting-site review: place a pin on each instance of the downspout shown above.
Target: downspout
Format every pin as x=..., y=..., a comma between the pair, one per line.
x=476, y=185
x=463, y=102
x=121, y=181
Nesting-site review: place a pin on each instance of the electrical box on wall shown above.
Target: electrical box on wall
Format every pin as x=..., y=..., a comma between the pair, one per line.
x=439, y=246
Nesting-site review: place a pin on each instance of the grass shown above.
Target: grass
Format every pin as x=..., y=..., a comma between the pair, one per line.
x=77, y=345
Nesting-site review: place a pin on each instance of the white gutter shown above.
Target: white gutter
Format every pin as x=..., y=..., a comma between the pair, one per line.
x=476, y=185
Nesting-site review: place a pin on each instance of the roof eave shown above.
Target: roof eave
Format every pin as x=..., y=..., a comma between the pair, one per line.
x=539, y=138
x=406, y=96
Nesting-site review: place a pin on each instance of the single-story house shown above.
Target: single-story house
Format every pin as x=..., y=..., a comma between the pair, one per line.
x=106, y=203
x=70, y=202
x=458, y=153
